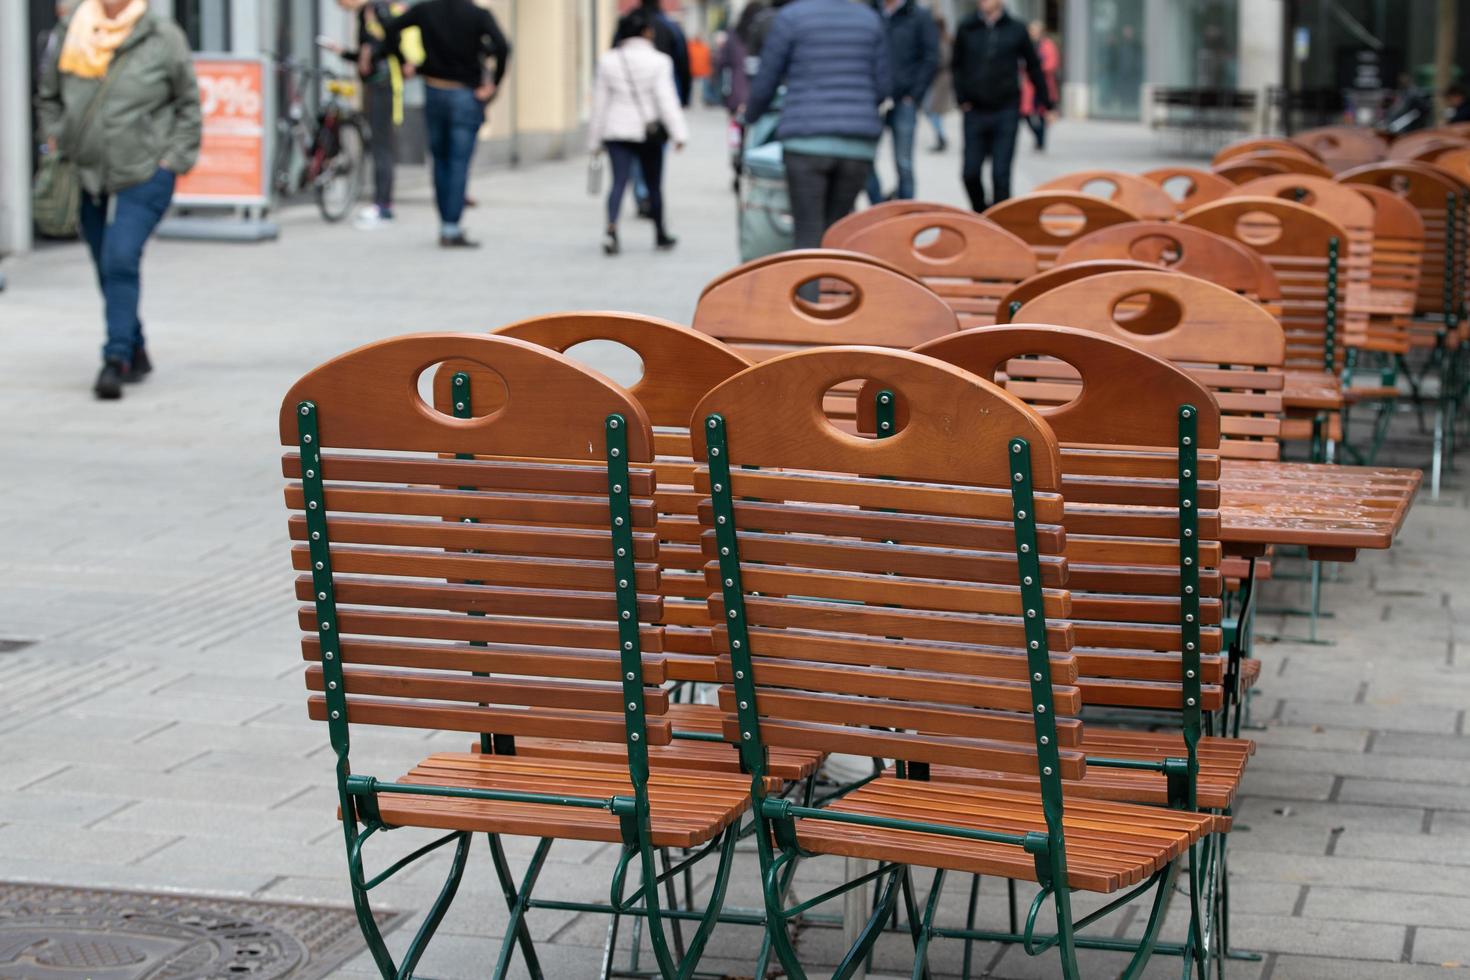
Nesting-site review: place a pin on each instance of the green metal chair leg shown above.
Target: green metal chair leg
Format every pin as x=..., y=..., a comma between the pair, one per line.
x=716, y=903
x=1140, y=959
x=1066, y=936
x=1011, y=900
x=672, y=895
x=858, y=954
x=439, y=908
x=970, y=925
x=775, y=897
x=926, y=928
x=787, y=874
x=610, y=945
x=519, y=900
x=921, y=971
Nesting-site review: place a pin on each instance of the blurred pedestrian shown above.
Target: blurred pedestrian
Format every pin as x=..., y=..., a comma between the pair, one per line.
x=940, y=101
x=988, y=47
x=458, y=38
x=699, y=70
x=120, y=102
x=635, y=113
x=1457, y=105
x=913, y=58
x=382, y=77
x=1031, y=109
x=668, y=38
x=832, y=56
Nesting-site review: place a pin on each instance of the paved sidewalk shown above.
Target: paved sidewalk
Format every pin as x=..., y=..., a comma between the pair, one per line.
x=152, y=725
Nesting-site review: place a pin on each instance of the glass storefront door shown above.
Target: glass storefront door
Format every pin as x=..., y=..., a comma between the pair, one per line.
x=1115, y=51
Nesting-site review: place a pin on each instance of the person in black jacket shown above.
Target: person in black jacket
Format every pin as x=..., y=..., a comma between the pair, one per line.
x=458, y=38
x=988, y=47
x=669, y=39
x=913, y=59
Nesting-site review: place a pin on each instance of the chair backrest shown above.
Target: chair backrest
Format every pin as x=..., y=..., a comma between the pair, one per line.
x=1265, y=144
x=679, y=367
x=1228, y=343
x=1189, y=187
x=968, y=261
x=424, y=566
x=1238, y=170
x=1297, y=241
x=1398, y=255
x=1144, y=198
x=1427, y=188
x=1180, y=248
x=841, y=232
x=1115, y=410
x=1048, y=221
x=1291, y=163
x=1342, y=147
x=755, y=308
x=1058, y=274
x=1413, y=146
x=875, y=587
x=1454, y=160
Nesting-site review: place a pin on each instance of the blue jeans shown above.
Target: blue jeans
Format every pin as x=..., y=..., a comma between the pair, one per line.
x=992, y=135
x=453, y=117
x=116, y=240
x=902, y=119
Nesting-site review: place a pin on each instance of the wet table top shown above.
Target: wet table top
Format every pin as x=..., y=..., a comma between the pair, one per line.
x=1333, y=510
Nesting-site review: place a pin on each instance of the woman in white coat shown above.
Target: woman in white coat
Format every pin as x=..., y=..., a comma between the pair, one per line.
x=635, y=111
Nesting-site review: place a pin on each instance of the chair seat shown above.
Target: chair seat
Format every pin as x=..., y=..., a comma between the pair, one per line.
x=782, y=766
x=1221, y=766
x=1109, y=845
x=688, y=809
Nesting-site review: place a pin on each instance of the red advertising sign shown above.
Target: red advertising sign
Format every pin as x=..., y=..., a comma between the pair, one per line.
x=232, y=158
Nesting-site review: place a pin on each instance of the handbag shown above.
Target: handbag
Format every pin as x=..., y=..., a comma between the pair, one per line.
x=594, y=175
x=56, y=194
x=653, y=132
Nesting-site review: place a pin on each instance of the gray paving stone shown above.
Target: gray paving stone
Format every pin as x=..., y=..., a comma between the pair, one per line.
x=1317, y=937
x=1324, y=968
x=179, y=785
x=1437, y=795
x=244, y=825
x=1421, y=747
x=1303, y=869
x=58, y=809
x=1266, y=815
x=1324, y=902
x=1301, y=711
x=1448, y=948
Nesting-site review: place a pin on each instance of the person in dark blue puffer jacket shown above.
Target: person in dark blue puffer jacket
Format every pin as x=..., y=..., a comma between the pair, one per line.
x=832, y=56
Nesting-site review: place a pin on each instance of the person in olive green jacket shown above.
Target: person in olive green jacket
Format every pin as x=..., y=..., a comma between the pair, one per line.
x=128, y=149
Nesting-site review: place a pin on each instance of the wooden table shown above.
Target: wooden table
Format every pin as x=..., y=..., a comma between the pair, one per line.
x=1332, y=510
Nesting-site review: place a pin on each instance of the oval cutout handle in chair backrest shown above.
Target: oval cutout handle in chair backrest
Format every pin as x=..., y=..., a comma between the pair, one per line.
x=759, y=306
x=680, y=365
x=1128, y=397
x=1028, y=289
x=1144, y=198
x=777, y=258
x=1327, y=196
x=1202, y=187
x=1304, y=231
x=1393, y=217
x=1215, y=326
x=841, y=232
x=1022, y=216
x=959, y=433
x=1202, y=253
x=1411, y=146
x=554, y=408
x=1291, y=163
x=981, y=249
x=1265, y=144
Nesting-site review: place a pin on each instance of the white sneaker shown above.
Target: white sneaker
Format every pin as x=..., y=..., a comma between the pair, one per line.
x=368, y=218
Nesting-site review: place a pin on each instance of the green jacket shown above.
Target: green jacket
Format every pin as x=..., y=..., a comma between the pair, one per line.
x=149, y=115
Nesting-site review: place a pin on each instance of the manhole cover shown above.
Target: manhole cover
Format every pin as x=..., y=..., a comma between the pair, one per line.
x=48, y=933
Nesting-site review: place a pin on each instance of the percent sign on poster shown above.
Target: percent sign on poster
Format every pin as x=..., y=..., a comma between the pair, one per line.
x=231, y=167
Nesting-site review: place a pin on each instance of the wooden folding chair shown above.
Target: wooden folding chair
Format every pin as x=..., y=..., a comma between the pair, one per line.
x=1048, y=221
x=869, y=589
x=968, y=261
x=1182, y=248
x=1342, y=147
x=497, y=574
x=1240, y=169
x=1116, y=411
x=1059, y=274
x=1144, y=198
x=1422, y=145
x=1257, y=145
x=1226, y=342
x=840, y=234
x=1189, y=187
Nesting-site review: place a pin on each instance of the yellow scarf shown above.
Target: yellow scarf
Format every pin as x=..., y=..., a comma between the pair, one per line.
x=92, y=37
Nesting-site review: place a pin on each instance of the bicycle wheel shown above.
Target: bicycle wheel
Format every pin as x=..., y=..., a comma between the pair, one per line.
x=339, y=184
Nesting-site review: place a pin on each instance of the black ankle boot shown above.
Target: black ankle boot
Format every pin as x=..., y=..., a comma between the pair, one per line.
x=110, y=380
x=665, y=240
x=610, y=242
x=139, y=368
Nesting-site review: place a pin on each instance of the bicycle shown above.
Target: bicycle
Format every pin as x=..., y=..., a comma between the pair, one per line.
x=331, y=143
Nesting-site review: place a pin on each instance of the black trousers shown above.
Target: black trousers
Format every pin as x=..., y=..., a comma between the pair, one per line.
x=384, y=140
x=989, y=134
x=649, y=157
x=822, y=190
